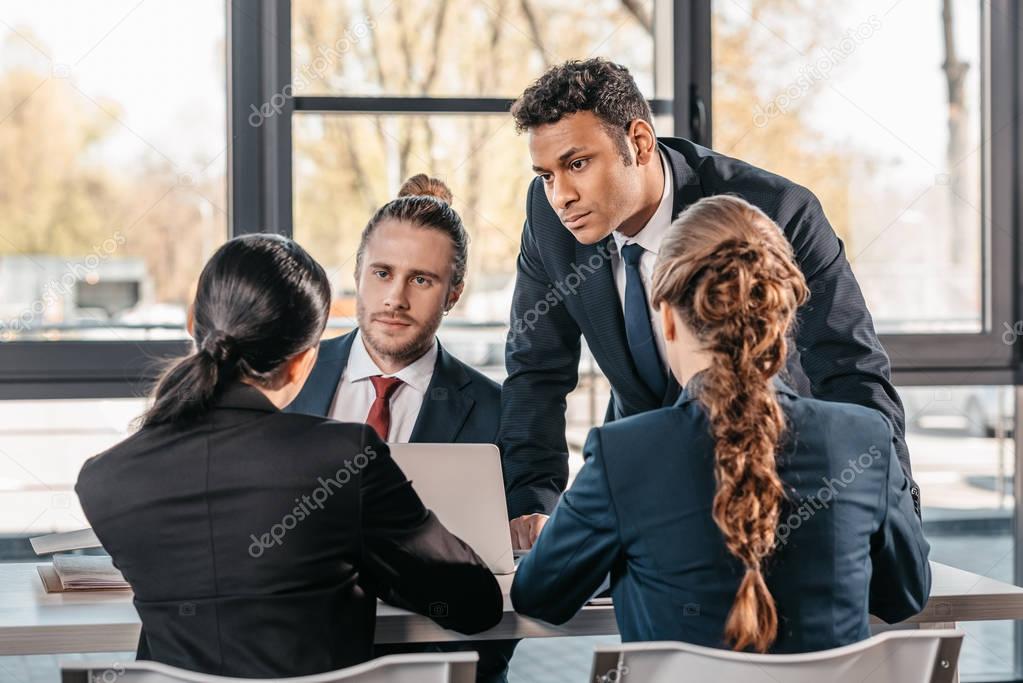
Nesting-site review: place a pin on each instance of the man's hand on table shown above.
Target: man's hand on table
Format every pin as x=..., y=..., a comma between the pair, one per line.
x=526, y=529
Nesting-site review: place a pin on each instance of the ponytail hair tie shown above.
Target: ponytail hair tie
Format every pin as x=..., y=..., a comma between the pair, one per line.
x=219, y=346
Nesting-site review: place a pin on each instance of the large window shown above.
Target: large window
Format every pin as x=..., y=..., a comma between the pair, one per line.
x=888, y=136
x=459, y=48
x=43, y=445
x=346, y=164
x=890, y=112
x=403, y=58
x=960, y=438
x=113, y=157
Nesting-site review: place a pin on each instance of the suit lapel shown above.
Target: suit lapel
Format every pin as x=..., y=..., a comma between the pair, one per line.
x=603, y=309
x=320, y=388
x=445, y=406
x=606, y=337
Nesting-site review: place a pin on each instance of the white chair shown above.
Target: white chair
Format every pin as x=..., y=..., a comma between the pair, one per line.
x=915, y=656
x=454, y=667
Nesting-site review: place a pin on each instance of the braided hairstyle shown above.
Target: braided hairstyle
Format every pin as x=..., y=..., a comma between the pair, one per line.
x=728, y=271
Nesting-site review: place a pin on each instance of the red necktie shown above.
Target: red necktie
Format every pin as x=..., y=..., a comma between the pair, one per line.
x=379, y=417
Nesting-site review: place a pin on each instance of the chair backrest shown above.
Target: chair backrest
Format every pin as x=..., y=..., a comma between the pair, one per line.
x=914, y=656
x=453, y=667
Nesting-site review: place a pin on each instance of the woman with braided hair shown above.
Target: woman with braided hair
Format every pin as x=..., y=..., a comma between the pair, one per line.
x=744, y=516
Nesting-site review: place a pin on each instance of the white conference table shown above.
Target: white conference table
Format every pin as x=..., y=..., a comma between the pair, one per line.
x=35, y=622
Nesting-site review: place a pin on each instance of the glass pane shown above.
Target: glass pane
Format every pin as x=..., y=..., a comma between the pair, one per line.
x=43, y=445
x=348, y=166
x=963, y=456
x=460, y=47
x=887, y=135
x=112, y=151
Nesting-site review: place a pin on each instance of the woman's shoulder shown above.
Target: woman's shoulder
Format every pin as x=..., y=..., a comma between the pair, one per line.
x=313, y=430
x=321, y=425
x=837, y=416
x=316, y=437
x=678, y=423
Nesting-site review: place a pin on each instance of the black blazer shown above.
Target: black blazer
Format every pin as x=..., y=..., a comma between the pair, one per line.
x=462, y=405
x=564, y=290
x=257, y=542
x=641, y=507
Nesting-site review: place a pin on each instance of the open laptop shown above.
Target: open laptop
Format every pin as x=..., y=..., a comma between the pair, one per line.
x=464, y=486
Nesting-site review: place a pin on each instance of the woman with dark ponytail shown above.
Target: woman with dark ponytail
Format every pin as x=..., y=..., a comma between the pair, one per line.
x=257, y=541
x=261, y=306
x=744, y=516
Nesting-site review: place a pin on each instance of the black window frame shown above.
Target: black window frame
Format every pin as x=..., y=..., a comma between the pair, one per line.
x=259, y=182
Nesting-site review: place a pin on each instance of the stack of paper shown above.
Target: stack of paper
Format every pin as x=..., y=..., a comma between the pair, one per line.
x=88, y=572
x=69, y=540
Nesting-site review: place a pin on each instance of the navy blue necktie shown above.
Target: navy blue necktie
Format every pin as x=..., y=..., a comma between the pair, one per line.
x=638, y=329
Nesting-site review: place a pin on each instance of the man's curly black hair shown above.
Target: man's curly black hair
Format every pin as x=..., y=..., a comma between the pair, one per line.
x=597, y=85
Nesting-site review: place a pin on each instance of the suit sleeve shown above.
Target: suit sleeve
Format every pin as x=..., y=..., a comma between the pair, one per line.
x=838, y=347
x=411, y=560
x=542, y=362
x=900, y=583
x=576, y=549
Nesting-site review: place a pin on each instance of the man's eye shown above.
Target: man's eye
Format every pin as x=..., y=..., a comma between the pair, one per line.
x=546, y=177
x=420, y=280
x=380, y=273
x=579, y=164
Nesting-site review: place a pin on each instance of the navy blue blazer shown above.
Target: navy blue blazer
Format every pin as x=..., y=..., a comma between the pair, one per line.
x=462, y=405
x=564, y=290
x=640, y=508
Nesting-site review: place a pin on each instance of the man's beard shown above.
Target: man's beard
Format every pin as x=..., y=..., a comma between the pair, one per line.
x=407, y=352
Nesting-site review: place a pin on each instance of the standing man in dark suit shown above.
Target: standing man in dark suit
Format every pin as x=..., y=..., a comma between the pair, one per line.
x=391, y=372
x=606, y=191
x=796, y=514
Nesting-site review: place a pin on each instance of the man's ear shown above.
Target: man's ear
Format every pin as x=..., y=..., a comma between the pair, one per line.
x=641, y=135
x=454, y=294
x=667, y=321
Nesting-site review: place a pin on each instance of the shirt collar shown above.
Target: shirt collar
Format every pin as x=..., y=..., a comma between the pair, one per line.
x=416, y=374
x=653, y=232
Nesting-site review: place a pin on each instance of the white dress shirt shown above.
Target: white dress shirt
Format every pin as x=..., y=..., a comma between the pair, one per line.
x=355, y=393
x=649, y=237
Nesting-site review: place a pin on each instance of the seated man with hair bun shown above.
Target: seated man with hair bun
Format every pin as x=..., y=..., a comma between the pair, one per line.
x=391, y=372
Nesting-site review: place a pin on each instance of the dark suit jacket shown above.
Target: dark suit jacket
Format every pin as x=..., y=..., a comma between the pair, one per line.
x=462, y=405
x=641, y=508
x=565, y=289
x=191, y=516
